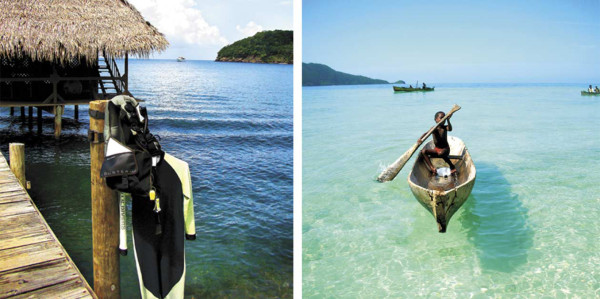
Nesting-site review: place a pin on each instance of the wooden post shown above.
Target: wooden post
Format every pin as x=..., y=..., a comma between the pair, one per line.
x=58, y=111
x=12, y=111
x=22, y=113
x=126, y=75
x=105, y=218
x=16, y=153
x=39, y=119
x=30, y=118
x=76, y=112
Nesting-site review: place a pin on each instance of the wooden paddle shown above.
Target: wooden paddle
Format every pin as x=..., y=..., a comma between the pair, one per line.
x=391, y=171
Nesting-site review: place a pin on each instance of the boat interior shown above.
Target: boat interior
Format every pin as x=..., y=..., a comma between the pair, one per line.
x=444, y=181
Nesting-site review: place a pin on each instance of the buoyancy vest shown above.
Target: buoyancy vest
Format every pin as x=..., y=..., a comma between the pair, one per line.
x=131, y=150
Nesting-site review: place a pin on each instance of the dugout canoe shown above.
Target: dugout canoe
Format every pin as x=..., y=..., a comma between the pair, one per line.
x=408, y=89
x=442, y=195
x=587, y=93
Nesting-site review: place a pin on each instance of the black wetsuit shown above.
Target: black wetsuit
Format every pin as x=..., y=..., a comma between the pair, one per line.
x=160, y=257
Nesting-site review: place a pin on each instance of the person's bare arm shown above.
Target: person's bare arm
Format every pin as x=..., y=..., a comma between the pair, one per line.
x=449, y=126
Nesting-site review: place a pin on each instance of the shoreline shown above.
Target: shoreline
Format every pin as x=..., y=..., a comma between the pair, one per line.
x=247, y=60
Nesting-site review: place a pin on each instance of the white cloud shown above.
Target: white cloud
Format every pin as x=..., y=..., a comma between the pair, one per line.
x=250, y=29
x=285, y=2
x=179, y=21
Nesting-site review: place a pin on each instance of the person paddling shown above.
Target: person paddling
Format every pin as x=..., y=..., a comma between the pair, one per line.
x=440, y=140
x=590, y=89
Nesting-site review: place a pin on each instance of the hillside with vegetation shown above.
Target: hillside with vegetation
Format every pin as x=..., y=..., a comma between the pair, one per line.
x=276, y=46
x=315, y=74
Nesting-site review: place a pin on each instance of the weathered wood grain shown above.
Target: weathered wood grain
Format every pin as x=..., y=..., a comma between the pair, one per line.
x=72, y=289
x=28, y=255
x=105, y=219
x=10, y=187
x=33, y=263
x=16, y=208
x=35, y=277
x=14, y=197
x=17, y=161
x=22, y=229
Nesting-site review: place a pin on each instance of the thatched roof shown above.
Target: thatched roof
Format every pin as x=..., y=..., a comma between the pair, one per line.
x=64, y=29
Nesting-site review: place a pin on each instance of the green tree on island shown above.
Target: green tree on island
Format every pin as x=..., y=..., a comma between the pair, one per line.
x=316, y=74
x=276, y=46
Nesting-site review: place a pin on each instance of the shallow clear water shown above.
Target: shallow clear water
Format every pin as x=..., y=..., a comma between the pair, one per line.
x=530, y=227
x=232, y=122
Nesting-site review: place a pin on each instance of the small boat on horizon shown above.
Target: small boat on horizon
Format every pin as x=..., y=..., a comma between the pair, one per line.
x=587, y=93
x=443, y=194
x=180, y=59
x=410, y=89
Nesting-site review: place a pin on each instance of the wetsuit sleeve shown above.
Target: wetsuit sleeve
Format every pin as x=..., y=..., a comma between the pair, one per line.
x=188, y=208
x=183, y=172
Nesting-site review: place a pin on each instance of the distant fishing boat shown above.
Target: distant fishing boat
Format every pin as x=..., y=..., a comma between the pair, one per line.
x=410, y=89
x=443, y=194
x=587, y=93
x=180, y=59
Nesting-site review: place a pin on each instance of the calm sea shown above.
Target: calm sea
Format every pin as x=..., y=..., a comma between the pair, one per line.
x=232, y=122
x=531, y=227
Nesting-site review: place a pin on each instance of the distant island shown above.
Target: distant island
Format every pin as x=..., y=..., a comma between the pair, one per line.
x=275, y=46
x=315, y=74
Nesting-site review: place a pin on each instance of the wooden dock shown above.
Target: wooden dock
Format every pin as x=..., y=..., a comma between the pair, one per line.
x=33, y=263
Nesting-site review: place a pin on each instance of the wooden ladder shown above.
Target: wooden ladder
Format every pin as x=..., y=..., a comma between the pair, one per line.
x=109, y=85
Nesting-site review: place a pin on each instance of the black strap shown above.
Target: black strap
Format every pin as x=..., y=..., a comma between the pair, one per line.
x=99, y=136
x=96, y=114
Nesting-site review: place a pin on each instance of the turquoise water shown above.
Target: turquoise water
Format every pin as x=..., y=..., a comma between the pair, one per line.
x=531, y=226
x=232, y=122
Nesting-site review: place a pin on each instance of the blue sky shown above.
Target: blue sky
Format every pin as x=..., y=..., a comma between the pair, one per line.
x=456, y=41
x=198, y=29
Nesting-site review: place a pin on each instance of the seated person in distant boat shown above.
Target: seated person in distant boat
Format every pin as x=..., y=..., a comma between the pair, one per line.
x=440, y=140
x=410, y=86
x=590, y=89
x=596, y=89
x=424, y=86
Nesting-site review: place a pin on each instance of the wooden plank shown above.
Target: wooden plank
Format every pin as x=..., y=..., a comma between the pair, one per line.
x=19, y=240
x=15, y=208
x=72, y=289
x=13, y=197
x=10, y=187
x=5, y=179
x=32, y=278
x=14, y=192
x=26, y=221
x=28, y=255
x=23, y=229
x=13, y=187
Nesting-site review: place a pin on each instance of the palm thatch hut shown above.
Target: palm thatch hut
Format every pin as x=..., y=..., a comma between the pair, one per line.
x=62, y=52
